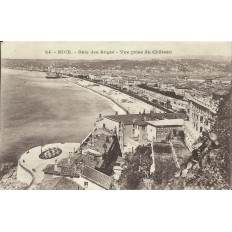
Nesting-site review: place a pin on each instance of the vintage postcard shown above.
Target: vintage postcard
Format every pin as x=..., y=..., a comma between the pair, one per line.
x=115, y=115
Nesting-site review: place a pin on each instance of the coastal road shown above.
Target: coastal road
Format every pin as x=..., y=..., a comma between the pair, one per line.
x=31, y=164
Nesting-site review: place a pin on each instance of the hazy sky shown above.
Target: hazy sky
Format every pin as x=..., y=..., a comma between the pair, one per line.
x=37, y=50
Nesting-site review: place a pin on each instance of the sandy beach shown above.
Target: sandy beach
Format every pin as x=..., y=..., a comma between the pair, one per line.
x=122, y=102
x=115, y=106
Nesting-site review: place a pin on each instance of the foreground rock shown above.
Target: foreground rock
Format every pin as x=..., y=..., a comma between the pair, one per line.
x=5, y=168
x=9, y=181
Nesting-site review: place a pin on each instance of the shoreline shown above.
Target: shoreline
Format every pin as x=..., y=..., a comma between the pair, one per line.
x=126, y=102
x=102, y=95
x=116, y=105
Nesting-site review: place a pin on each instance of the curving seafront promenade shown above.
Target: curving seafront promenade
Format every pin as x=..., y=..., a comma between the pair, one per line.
x=116, y=106
x=20, y=165
x=124, y=102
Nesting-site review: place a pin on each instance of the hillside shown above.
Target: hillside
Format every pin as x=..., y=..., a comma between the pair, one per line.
x=164, y=65
x=213, y=169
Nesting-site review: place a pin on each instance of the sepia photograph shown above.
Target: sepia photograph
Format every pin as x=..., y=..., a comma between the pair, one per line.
x=115, y=95
x=115, y=115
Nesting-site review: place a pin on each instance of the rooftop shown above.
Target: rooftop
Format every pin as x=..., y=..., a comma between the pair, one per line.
x=87, y=159
x=221, y=93
x=167, y=122
x=130, y=119
x=58, y=183
x=99, y=142
x=204, y=102
x=79, y=167
x=70, y=171
x=182, y=87
x=97, y=177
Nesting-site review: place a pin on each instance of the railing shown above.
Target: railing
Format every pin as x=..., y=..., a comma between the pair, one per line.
x=84, y=140
x=28, y=171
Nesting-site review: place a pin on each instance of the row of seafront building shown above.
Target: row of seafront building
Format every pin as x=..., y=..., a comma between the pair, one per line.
x=173, y=97
x=157, y=87
x=200, y=111
x=135, y=129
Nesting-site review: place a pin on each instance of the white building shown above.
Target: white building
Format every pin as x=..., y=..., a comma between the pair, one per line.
x=201, y=113
x=160, y=129
x=132, y=129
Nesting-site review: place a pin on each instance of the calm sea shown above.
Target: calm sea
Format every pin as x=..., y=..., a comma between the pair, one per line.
x=35, y=108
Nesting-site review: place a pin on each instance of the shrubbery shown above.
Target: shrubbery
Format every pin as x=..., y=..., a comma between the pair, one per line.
x=215, y=170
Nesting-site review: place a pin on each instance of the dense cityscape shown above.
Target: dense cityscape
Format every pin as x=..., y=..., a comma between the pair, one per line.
x=164, y=133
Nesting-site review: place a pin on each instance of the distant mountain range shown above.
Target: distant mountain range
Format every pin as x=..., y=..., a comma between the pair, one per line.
x=213, y=58
x=216, y=63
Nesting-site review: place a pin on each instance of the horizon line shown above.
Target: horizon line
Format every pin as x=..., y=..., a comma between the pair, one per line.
x=142, y=59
